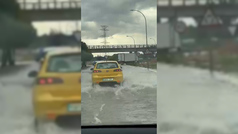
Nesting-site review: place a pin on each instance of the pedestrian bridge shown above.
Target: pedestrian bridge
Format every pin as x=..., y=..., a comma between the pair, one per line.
x=121, y=48
x=51, y=10
x=195, y=2
x=226, y=9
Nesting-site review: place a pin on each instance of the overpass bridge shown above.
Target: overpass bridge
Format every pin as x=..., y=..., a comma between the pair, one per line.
x=121, y=48
x=51, y=10
x=172, y=9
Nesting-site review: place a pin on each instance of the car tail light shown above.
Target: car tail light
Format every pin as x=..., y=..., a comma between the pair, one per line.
x=41, y=81
x=117, y=70
x=97, y=71
x=44, y=81
x=51, y=116
x=50, y=80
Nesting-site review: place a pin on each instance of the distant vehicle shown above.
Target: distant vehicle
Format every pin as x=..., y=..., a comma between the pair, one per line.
x=107, y=72
x=127, y=58
x=57, y=91
x=166, y=34
x=41, y=54
x=94, y=63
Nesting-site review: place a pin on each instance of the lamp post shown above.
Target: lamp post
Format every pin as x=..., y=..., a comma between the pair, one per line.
x=132, y=38
x=153, y=40
x=145, y=24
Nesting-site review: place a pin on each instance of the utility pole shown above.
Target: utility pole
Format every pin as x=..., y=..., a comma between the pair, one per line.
x=104, y=29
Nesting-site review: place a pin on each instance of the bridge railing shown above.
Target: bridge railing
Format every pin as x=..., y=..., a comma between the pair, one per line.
x=50, y=5
x=119, y=46
x=193, y=2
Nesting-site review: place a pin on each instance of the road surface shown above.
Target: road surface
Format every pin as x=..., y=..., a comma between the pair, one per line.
x=13, y=69
x=134, y=103
x=190, y=101
x=16, y=115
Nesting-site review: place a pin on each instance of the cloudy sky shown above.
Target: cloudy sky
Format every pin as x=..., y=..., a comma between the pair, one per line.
x=120, y=20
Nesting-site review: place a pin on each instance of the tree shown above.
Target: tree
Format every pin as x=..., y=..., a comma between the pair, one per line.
x=9, y=7
x=13, y=33
x=113, y=57
x=84, y=46
x=86, y=55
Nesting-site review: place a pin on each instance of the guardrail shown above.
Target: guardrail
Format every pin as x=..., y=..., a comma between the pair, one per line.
x=119, y=46
x=50, y=5
x=193, y=2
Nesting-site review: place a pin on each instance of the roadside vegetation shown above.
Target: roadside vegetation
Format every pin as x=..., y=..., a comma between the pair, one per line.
x=15, y=31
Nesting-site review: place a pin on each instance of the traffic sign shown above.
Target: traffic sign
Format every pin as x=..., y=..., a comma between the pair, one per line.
x=210, y=19
x=180, y=26
x=232, y=30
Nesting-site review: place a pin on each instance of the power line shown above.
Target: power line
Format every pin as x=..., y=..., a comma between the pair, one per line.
x=104, y=29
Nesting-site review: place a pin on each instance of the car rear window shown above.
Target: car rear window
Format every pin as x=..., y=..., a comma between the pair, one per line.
x=108, y=65
x=65, y=63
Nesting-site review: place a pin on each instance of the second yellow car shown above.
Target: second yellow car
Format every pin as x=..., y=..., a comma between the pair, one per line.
x=107, y=72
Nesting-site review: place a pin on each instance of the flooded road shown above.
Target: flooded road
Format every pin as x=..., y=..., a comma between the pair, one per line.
x=190, y=101
x=133, y=103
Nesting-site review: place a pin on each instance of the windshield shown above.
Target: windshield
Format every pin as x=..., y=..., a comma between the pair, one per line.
x=65, y=63
x=127, y=95
x=106, y=65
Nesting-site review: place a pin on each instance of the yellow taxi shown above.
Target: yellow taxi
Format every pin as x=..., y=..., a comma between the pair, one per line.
x=57, y=90
x=107, y=72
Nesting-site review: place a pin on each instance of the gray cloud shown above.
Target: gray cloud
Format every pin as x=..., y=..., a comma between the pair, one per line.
x=117, y=15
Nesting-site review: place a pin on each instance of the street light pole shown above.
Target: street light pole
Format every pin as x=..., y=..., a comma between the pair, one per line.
x=153, y=40
x=145, y=25
x=132, y=38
